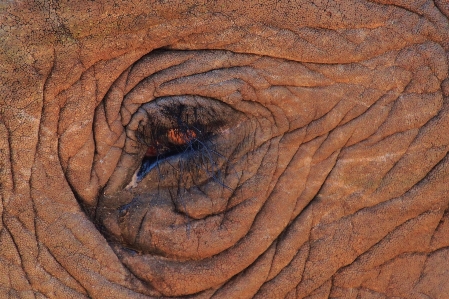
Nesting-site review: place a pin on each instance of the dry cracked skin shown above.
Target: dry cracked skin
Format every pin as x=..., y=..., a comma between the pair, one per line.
x=219, y=149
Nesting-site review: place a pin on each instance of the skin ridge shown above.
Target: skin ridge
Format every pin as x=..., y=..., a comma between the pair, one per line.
x=25, y=143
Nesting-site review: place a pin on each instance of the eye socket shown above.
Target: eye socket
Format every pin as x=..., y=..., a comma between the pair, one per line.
x=189, y=164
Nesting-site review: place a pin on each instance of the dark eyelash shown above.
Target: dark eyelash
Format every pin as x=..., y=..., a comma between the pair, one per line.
x=183, y=143
x=188, y=141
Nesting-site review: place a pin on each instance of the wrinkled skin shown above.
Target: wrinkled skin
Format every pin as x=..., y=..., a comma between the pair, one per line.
x=321, y=169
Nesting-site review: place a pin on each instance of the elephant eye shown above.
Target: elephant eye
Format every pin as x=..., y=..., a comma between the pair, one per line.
x=181, y=138
x=182, y=132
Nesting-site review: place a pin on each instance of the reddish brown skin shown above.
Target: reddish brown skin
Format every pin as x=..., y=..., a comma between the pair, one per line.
x=343, y=194
x=177, y=137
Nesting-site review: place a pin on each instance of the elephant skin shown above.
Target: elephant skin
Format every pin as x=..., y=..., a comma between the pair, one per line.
x=293, y=149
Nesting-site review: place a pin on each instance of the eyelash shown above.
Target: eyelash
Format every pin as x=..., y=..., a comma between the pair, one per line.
x=190, y=139
x=182, y=142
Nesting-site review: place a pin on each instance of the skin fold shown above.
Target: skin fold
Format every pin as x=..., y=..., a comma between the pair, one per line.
x=296, y=149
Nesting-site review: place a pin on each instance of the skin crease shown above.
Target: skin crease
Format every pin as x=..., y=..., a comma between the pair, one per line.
x=343, y=187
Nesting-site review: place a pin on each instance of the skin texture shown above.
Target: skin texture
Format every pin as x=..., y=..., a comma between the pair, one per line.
x=333, y=150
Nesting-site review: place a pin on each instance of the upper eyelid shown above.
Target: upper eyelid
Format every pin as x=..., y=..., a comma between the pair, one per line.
x=151, y=81
x=182, y=64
